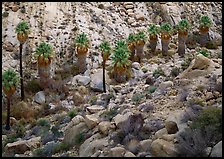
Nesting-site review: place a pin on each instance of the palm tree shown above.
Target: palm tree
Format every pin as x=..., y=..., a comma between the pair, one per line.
x=166, y=31
x=82, y=45
x=44, y=58
x=183, y=28
x=205, y=24
x=131, y=45
x=105, y=49
x=10, y=80
x=153, y=31
x=120, y=61
x=22, y=30
x=140, y=38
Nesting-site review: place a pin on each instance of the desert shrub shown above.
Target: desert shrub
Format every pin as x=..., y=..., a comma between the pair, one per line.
x=198, y=101
x=43, y=122
x=45, y=151
x=20, y=130
x=175, y=72
x=137, y=98
x=72, y=113
x=79, y=138
x=186, y=63
x=61, y=147
x=109, y=114
x=158, y=72
x=151, y=89
x=93, y=100
x=204, y=52
x=33, y=86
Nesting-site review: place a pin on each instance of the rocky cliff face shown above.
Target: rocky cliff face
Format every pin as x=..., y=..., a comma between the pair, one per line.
x=163, y=102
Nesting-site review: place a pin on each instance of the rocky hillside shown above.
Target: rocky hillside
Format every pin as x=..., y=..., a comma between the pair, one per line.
x=150, y=115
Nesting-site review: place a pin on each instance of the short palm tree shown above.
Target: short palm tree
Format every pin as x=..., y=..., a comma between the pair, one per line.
x=44, y=58
x=140, y=42
x=22, y=30
x=183, y=28
x=10, y=80
x=131, y=45
x=153, y=31
x=120, y=61
x=105, y=50
x=205, y=24
x=166, y=30
x=82, y=45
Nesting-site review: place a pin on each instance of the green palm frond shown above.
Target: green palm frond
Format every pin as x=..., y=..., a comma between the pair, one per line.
x=131, y=38
x=105, y=47
x=82, y=40
x=23, y=27
x=183, y=25
x=153, y=29
x=140, y=36
x=10, y=78
x=44, y=49
x=205, y=21
x=167, y=28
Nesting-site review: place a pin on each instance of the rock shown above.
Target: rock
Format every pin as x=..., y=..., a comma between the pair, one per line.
x=136, y=65
x=39, y=97
x=171, y=127
x=92, y=144
x=15, y=8
x=104, y=127
x=145, y=145
x=78, y=98
x=5, y=14
x=71, y=133
x=22, y=110
x=168, y=137
x=166, y=84
x=117, y=152
x=118, y=119
x=133, y=146
x=13, y=121
x=91, y=121
x=22, y=145
x=150, y=80
x=162, y=148
x=96, y=83
x=94, y=108
x=215, y=37
x=129, y=6
x=140, y=17
x=83, y=80
x=160, y=133
x=131, y=20
x=217, y=150
x=146, y=107
x=129, y=154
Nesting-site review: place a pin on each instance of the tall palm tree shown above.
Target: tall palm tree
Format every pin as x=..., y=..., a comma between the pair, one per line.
x=166, y=30
x=205, y=24
x=10, y=80
x=140, y=38
x=82, y=45
x=153, y=31
x=22, y=30
x=105, y=50
x=183, y=28
x=131, y=45
x=120, y=61
x=44, y=53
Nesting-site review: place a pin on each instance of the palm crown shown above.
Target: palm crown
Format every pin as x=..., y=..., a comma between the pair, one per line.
x=205, y=21
x=131, y=38
x=121, y=54
x=183, y=25
x=166, y=28
x=105, y=47
x=9, y=79
x=153, y=29
x=140, y=36
x=23, y=28
x=44, y=49
x=82, y=40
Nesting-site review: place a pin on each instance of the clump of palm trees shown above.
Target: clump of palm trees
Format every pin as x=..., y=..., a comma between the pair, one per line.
x=82, y=45
x=10, y=80
x=22, y=30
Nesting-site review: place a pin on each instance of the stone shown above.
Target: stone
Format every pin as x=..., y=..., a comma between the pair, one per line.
x=78, y=98
x=91, y=120
x=215, y=37
x=15, y=8
x=140, y=16
x=160, y=133
x=171, y=127
x=129, y=6
x=129, y=154
x=13, y=121
x=162, y=148
x=133, y=146
x=71, y=133
x=168, y=137
x=104, y=127
x=95, y=108
x=166, y=84
x=96, y=83
x=136, y=65
x=117, y=152
x=217, y=150
x=131, y=20
x=39, y=97
x=23, y=145
x=83, y=80
x=145, y=145
x=118, y=119
x=92, y=144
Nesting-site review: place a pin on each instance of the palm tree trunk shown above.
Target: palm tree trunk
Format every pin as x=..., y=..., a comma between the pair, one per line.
x=82, y=63
x=104, y=82
x=44, y=74
x=132, y=56
x=7, y=127
x=165, y=44
x=181, y=45
x=139, y=52
x=21, y=72
x=204, y=38
x=153, y=44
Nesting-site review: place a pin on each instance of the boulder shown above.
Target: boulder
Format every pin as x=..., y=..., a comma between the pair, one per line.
x=171, y=127
x=94, y=108
x=117, y=152
x=119, y=119
x=217, y=150
x=83, y=80
x=39, y=97
x=91, y=120
x=96, y=83
x=145, y=145
x=104, y=127
x=160, y=133
x=23, y=145
x=129, y=154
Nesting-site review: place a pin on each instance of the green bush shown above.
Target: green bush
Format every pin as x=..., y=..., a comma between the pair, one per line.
x=72, y=114
x=33, y=86
x=43, y=122
x=20, y=130
x=186, y=63
x=137, y=97
x=175, y=72
x=79, y=138
x=204, y=52
x=158, y=72
x=60, y=148
x=109, y=114
x=151, y=89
